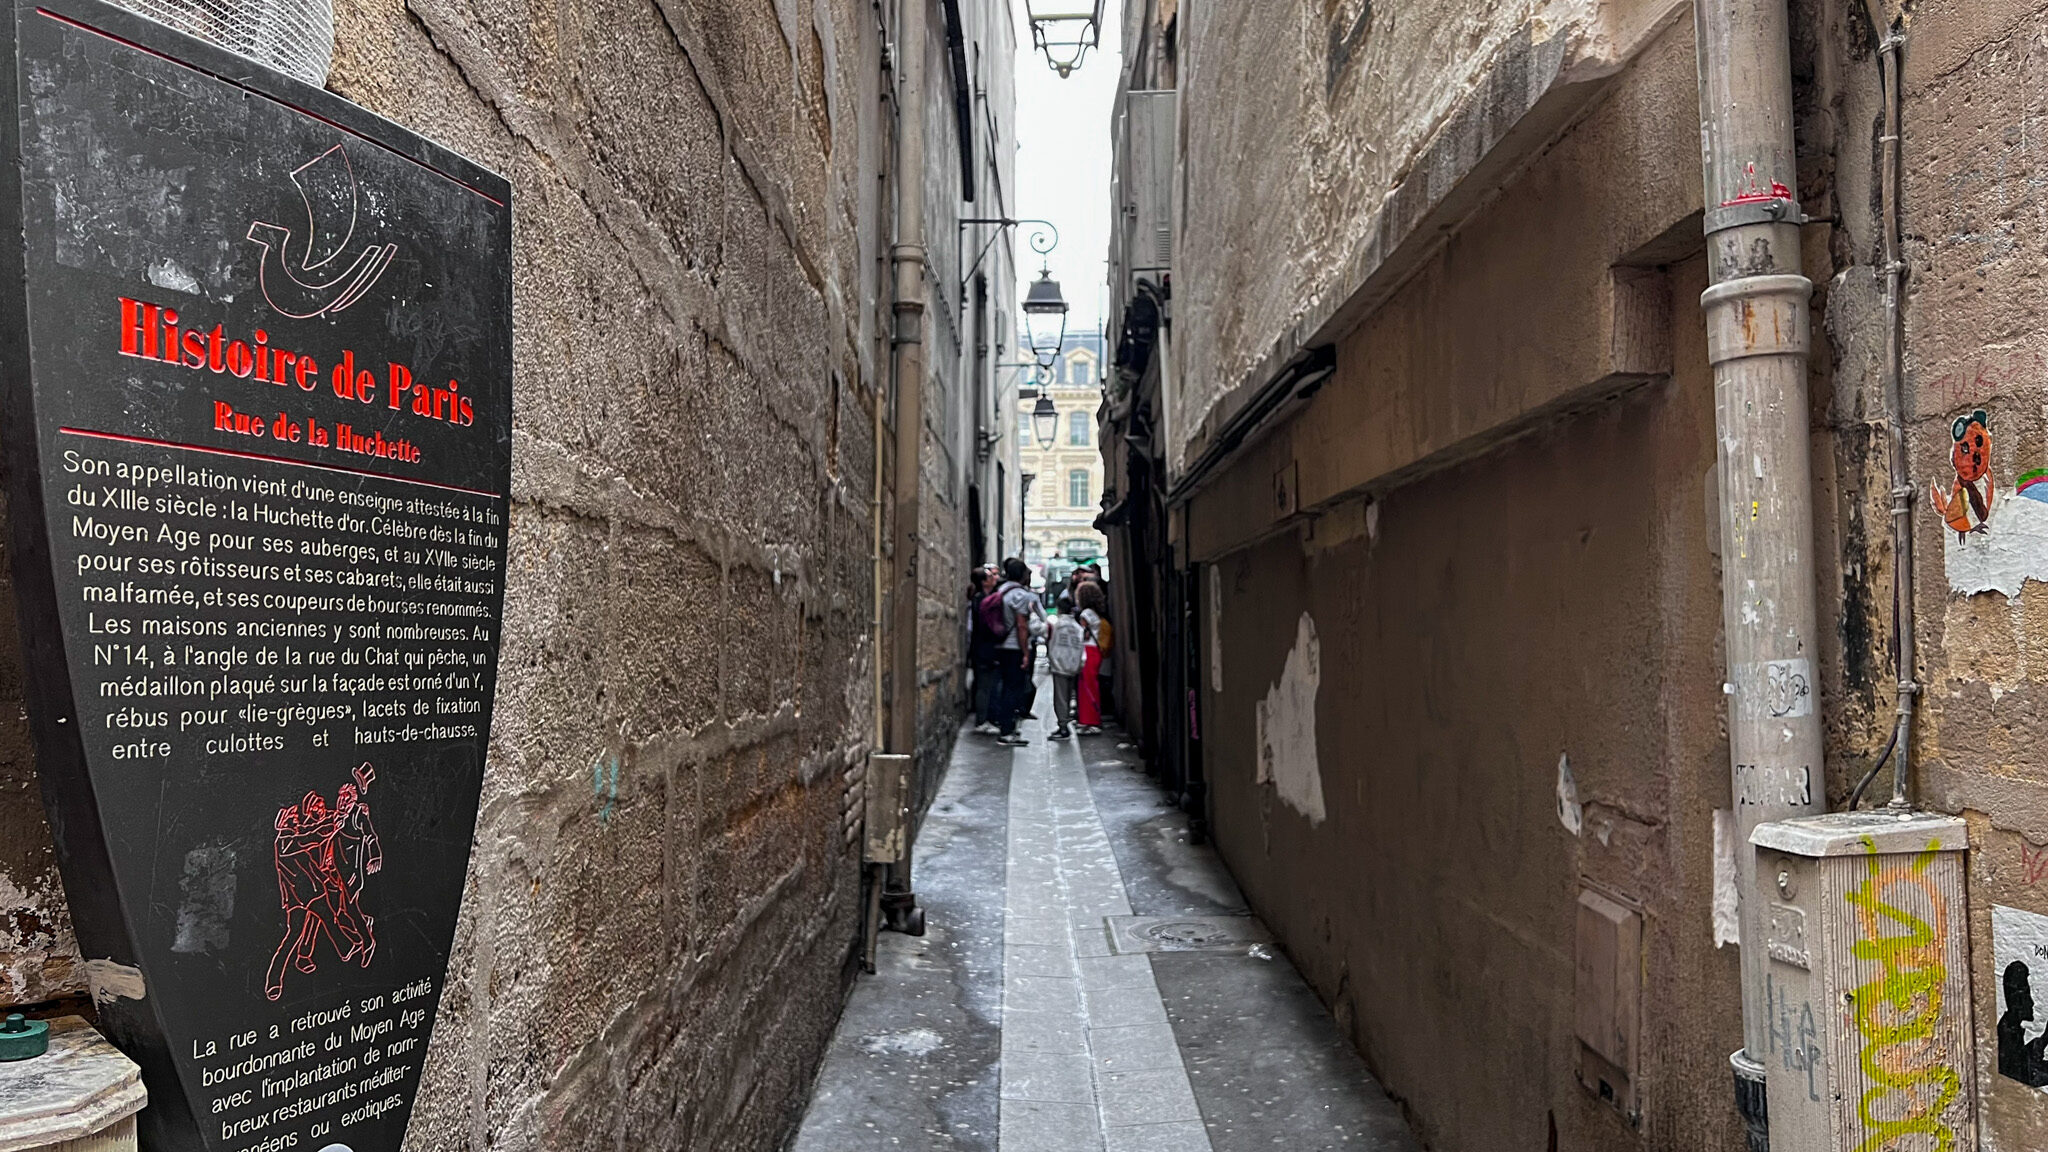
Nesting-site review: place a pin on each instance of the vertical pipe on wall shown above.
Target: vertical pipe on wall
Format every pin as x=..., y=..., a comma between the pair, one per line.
x=1758, y=334
x=907, y=367
x=1891, y=176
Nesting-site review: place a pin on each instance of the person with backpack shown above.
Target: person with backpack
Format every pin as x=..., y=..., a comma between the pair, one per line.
x=1065, y=653
x=1021, y=620
x=1096, y=645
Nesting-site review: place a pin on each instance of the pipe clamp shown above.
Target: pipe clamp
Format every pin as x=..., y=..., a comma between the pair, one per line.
x=1758, y=316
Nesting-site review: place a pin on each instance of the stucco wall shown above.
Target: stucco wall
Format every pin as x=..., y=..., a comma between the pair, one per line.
x=1368, y=103
x=662, y=900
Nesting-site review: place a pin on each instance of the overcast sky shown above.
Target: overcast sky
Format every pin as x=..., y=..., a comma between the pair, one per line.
x=1063, y=166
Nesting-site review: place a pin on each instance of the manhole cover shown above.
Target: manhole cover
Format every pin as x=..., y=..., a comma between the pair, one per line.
x=1138, y=934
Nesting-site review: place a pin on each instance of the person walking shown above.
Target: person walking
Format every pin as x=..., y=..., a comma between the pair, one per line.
x=1096, y=645
x=1065, y=653
x=1022, y=616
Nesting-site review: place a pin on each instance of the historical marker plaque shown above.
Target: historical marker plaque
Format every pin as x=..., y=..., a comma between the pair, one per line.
x=258, y=415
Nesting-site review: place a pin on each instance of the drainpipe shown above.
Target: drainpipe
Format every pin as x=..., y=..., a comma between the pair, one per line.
x=907, y=368
x=1758, y=333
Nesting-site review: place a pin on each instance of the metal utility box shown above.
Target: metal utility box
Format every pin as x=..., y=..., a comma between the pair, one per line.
x=1608, y=1004
x=888, y=815
x=1867, y=932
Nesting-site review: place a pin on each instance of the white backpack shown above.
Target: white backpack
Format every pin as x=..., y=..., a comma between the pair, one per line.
x=1066, y=650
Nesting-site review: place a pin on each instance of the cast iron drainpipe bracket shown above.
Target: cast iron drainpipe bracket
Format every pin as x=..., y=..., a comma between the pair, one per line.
x=1778, y=211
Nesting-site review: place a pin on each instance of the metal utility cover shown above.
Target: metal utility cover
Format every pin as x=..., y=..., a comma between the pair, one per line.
x=1136, y=935
x=258, y=428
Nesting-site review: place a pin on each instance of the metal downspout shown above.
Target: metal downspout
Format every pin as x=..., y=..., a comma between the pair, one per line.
x=1758, y=335
x=907, y=367
x=1891, y=62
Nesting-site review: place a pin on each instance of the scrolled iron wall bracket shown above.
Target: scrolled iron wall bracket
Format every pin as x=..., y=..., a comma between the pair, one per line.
x=1043, y=240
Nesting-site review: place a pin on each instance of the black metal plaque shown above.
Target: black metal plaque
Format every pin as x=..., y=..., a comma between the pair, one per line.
x=258, y=388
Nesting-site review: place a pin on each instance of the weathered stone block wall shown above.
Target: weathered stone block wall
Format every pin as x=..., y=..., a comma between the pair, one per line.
x=662, y=901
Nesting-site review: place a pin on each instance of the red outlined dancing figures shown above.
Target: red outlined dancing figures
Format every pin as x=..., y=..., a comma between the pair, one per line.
x=323, y=856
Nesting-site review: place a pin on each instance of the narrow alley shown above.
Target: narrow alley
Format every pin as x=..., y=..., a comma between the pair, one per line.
x=1088, y=979
x=531, y=526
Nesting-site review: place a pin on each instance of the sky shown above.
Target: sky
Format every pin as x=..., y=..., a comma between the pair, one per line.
x=1063, y=166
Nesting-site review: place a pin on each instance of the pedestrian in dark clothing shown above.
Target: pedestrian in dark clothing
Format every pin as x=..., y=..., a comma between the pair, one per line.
x=981, y=649
x=1013, y=654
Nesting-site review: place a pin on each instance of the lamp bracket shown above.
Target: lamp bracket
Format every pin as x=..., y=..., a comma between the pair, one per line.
x=1043, y=240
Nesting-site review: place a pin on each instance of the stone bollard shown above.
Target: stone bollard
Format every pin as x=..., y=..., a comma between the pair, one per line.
x=80, y=1095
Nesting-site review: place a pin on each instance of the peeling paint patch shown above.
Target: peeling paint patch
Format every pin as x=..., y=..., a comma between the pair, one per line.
x=166, y=273
x=110, y=981
x=1570, y=812
x=1287, y=727
x=1727, y=922
x=209, y=899
x=2000, y=557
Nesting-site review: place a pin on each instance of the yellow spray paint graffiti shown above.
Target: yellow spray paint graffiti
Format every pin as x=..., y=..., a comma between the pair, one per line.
x=1902, y=918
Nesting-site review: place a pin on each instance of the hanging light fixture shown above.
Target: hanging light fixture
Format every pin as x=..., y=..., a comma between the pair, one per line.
x=1045, y=422
x=1045, y=318
x=1064, y=30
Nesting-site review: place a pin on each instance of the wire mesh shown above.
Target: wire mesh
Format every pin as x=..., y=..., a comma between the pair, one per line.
x=295, y=37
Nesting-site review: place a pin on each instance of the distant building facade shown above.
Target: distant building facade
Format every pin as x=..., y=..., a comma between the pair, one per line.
x=1065, y=494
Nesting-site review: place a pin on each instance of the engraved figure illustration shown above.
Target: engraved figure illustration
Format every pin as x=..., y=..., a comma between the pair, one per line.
x=305, y=288
x=323, y=855
x=1967, y=504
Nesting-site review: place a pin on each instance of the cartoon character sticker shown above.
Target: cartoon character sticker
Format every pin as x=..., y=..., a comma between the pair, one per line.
x=1967, y=504
x=324, y=854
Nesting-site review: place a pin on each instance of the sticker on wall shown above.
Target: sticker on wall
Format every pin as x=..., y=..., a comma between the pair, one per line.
x=2019, y=948
x=1967, y=504
x=1991, y=544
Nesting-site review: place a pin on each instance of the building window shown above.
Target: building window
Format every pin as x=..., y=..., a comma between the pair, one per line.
x=1077, y=488
x=1077, y=429
x=1024, y=432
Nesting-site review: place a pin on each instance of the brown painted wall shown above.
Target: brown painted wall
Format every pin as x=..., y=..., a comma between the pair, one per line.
x=1506, y=548
x=1546, y=599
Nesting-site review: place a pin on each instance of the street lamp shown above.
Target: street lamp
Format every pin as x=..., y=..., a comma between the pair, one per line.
x=1064, y=30
x=1045, y=318
x=1045, y=422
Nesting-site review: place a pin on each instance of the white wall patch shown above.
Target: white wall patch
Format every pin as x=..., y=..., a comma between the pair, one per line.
x=1570, y=812
x=1287, y=727
x=2010, y=549
x=109, y=980
x=1727, y=918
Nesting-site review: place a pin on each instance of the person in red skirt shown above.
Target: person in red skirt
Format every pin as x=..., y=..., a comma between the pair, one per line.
x=1095, y=626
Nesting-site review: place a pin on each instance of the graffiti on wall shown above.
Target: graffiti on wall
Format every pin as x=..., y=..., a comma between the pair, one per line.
x=1966, y=506
x=1912, y=1080
x=1993, y=543
x=2019, y=951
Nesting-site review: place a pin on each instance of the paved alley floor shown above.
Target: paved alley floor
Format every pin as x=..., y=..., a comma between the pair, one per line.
x=1088, y=981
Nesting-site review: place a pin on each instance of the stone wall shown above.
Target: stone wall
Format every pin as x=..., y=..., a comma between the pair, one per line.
x=1367, y=91
x=662, y=901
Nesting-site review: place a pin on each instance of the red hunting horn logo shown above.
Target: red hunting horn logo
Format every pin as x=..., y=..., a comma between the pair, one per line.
x=311, y=285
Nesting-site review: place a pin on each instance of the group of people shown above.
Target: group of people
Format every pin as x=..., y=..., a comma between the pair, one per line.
x=1007, y=622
